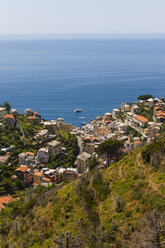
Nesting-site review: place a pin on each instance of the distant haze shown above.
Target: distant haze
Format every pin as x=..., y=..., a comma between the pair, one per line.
x=81, y=16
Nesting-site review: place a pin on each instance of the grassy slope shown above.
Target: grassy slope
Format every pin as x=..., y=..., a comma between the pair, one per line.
x=102, y=208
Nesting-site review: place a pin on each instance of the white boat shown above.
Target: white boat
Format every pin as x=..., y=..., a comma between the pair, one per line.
x=77, y=110
x=83, y=123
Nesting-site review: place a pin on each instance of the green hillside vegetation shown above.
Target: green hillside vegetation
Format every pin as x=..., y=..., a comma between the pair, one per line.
x=145, y=111
x=111, y=207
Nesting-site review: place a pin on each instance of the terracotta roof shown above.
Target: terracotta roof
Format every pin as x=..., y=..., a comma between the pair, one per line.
x=101, y=131
x=9, y=116
x=123, y=150
x=69, y=172
x=137, y=142
x=14, y=177
x=47, y=179
x=32, y=118
x=22, y=168
x=35, y=113
x=161, y=116
x=35, y=184
x=39, y=173
x=141, y=118
x=30, y=153
x=156, y=108
x=5, y=200
x=95, y=138
x=160, y=112
x=86, y=138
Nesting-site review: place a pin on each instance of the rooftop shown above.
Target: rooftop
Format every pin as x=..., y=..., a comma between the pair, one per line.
x=141, y=118
x=4, y=200
x=84, y=156
x=43, y=149
x=8, y=116
x=39, y=173
x=32, y=118
x=54, y=143
x=22, y=168
x=2, y=108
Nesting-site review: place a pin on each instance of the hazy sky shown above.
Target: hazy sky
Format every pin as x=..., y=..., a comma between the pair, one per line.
x=82, y=16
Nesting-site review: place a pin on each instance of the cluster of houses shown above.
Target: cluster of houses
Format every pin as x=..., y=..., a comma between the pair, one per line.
x=8, y=118
x=32, y=169
x=116, y=125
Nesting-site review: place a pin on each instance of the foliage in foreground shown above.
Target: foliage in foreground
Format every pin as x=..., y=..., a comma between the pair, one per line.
x=120, y=206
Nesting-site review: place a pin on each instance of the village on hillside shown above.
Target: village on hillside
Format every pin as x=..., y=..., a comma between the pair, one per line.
x=52, y=160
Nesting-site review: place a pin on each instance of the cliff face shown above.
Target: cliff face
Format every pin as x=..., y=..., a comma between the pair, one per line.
x=119, y=206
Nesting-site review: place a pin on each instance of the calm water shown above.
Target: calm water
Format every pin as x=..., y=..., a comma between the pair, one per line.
x=54, y=77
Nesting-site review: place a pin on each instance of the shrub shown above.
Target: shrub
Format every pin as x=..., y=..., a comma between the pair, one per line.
x=146, y=156
x=119, y=204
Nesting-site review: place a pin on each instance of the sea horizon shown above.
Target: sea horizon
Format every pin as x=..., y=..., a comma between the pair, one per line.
x=82, y=36
x=56, y=76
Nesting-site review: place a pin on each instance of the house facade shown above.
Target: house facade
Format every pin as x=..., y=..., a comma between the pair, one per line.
x=43, y=155
x=82, y=162
x=70, y=174
x=37, y=177
x=33, y=120
x=3, y=112
x=24, y=174
x=26, y=158
x=90, y=148
x=140, y=121
x=55, y=147
x=9, y=119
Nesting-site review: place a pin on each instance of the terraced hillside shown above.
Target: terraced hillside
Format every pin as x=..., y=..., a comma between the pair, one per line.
x=119, y=206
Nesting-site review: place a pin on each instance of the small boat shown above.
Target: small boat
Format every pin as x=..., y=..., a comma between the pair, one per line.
x=82, y=117
x=77, y=110
x=83, y=123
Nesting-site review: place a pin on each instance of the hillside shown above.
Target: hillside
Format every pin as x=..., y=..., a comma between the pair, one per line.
x=110, y=207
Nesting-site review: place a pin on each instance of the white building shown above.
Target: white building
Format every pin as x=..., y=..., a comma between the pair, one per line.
x=3, y=112
x=116, y=112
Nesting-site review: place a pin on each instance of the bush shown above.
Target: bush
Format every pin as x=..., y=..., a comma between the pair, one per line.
x=119, y=204
x=145, y=97
x=146, y=156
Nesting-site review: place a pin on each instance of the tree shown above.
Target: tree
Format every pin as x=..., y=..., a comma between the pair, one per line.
x=94, y=162
x=7, y=105
x=110, y=149
x=145, y=97
x=152, y=234
x=65, y=240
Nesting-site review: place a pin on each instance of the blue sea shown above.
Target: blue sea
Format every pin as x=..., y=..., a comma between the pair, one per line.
x=54, y=76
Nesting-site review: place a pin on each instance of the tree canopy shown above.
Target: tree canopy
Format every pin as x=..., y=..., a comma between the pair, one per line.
x=7, y=105
x=110, y=149
x=145, y=97
x=94, y=162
